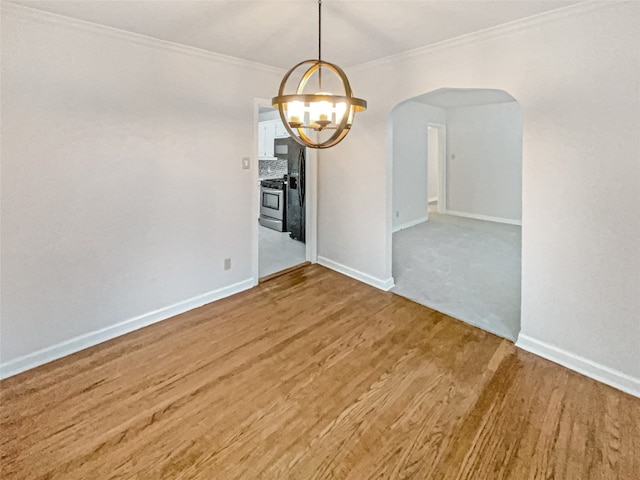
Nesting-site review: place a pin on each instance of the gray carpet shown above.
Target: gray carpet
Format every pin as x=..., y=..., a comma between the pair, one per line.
x=466, y=268
x=278, y=251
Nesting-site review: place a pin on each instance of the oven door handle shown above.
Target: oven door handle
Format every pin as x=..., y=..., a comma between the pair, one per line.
x=276, y=191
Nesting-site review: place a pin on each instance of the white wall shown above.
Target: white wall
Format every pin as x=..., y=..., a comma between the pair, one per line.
x=122, y=185
x=576, y=76
x=409, y=138
x=484, y=160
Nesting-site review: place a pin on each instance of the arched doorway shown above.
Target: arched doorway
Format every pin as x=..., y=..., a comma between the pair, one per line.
x=457, y=238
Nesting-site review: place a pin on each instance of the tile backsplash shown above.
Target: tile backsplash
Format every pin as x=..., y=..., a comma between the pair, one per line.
x=272, y=168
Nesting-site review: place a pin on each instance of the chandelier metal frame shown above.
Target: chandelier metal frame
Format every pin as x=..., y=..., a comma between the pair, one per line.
x=343, y=106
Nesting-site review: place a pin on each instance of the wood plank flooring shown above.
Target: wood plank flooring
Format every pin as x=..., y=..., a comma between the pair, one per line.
x=313, y=375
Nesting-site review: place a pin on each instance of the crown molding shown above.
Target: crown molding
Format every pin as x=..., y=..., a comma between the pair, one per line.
x=490, y=33
x=41, y=16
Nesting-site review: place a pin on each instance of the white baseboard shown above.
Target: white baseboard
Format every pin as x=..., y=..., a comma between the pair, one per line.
x=410, y=224
x=589, y=368
x=358, y=275
x=488, y=218
x=73, y=345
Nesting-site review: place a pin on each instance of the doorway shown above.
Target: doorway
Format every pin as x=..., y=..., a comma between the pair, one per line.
x=284, y=197
x=436, y=184
x=456, y=241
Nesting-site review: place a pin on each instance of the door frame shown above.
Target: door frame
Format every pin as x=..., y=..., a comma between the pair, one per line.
x=442, y=164
x=311, y=197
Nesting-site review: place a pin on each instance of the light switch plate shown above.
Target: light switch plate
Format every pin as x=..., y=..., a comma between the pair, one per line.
x=245, y=163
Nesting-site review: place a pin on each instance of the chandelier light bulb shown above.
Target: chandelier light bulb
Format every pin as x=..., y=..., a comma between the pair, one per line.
x=321, y=111
x=295, y=113
x=341, y=109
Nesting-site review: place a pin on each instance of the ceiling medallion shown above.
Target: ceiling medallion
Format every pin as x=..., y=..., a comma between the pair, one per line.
x=321, y=119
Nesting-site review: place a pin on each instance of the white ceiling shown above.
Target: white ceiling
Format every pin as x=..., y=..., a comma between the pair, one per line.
x=283, y=32
x=464, y=97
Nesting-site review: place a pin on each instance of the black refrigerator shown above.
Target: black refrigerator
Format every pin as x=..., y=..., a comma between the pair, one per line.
x=290, y=150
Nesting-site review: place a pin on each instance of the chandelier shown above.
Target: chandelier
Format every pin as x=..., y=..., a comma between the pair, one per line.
x=320, y=119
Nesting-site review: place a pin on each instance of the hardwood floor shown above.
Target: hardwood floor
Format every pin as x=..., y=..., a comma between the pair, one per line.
x=313, y=375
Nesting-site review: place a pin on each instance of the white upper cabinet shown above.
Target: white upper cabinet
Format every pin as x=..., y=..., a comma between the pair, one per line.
x=268, y=130
x=281, y=132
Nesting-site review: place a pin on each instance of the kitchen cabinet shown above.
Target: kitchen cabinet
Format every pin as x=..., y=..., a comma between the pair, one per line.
x=266, y=134
x=281, y=132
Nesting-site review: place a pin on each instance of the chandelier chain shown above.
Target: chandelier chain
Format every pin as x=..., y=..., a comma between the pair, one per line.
x=320, y=30
x=320, y=42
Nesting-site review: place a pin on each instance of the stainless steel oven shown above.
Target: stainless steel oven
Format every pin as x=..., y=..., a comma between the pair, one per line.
x=272, y=204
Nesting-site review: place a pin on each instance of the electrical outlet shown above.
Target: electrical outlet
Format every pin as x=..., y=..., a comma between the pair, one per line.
x=397, y=213
x=245, y=163
x=227, y=264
